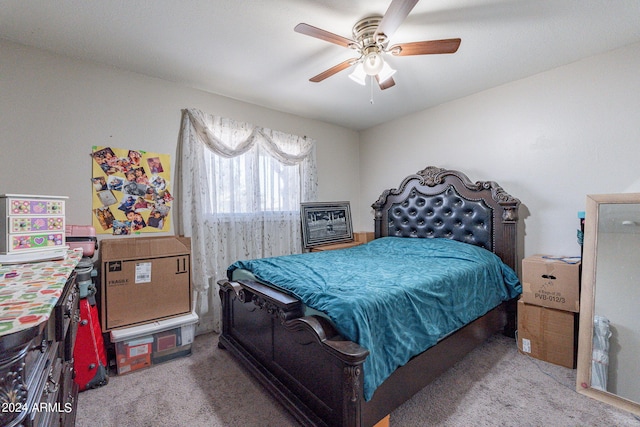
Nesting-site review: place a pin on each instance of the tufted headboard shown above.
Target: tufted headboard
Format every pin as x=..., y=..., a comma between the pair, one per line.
x=437, y=202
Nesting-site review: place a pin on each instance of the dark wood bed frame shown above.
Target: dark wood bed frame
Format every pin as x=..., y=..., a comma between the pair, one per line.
x=317, y=374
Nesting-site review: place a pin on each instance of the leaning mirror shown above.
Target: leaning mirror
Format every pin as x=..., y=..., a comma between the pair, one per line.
x=609, y=337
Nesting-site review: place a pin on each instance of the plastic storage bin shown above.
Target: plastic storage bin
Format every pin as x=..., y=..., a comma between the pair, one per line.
x=145, y=345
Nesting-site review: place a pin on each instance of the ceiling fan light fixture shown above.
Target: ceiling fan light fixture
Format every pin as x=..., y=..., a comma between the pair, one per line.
x=358, y=74
x=372, y=63
x=371, y=36
x=386, y=72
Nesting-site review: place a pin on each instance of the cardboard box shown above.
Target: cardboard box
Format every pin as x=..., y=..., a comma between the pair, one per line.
x=548, y=334
x=144, y=279
x=133, y=355
x=551, y=282
x=167, y=340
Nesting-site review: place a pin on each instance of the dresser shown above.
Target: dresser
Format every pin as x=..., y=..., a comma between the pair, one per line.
x=38, y=323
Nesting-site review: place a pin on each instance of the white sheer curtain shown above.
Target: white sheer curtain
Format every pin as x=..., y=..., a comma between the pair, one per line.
x=240, y=192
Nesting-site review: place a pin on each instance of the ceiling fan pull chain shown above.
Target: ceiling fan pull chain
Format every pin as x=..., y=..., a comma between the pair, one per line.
x=371, y=88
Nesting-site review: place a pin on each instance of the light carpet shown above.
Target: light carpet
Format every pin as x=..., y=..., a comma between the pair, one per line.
x=494, y=385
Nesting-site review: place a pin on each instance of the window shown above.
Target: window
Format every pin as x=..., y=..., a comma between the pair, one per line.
x=240, y=191
x=253, y=182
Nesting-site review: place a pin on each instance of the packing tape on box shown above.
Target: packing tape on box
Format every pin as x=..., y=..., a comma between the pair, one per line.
x=567, y=260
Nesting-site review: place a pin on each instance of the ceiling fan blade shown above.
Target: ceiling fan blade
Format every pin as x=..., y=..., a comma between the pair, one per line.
x=385, y=84
x=425, y=48
x=394, y=16
x=333, y=70
x=321, y=34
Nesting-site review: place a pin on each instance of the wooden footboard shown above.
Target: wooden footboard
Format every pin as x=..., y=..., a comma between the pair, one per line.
x=314, y=372
x=301, y=360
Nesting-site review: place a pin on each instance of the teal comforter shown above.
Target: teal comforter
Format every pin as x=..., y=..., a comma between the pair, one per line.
x=394, y=296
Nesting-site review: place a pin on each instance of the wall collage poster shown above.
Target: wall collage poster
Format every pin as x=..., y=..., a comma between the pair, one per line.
x=131, y=192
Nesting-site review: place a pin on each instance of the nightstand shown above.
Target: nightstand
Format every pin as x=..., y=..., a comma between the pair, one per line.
x=342, y=245
x=358, y=239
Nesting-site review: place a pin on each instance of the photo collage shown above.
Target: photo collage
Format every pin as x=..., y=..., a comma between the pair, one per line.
x=131, y=193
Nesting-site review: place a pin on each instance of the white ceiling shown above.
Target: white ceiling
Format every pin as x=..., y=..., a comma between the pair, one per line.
x=248, y=50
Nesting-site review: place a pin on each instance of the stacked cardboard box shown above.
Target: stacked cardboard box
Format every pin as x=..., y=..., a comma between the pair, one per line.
x=133, y=354
x=548, y=309
x=144, y=279
x=146, y=300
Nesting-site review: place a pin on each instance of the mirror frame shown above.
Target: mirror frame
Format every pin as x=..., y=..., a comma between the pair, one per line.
x=587, y=300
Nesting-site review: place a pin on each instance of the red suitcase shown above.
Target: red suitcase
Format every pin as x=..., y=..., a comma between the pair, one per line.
x=90, y=359
x=89, y=356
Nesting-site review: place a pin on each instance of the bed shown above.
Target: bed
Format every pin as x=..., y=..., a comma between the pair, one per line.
x=325, y=379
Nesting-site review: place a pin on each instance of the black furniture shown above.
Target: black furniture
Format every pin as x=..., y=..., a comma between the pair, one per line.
x=317, y=374
x=36, y=368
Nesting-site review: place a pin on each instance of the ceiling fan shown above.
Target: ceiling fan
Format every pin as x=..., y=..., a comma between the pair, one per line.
x=371, y=37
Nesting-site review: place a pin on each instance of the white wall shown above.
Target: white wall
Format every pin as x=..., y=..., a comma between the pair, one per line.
x=549, y=140
x=53, y=109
